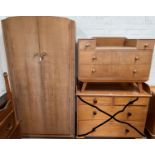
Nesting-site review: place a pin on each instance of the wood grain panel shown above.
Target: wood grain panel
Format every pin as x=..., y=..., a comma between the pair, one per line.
x=114, y=57
x=110, y=129
x=109, y=73
x=54, y=37
x=132, y=113
x=21, y=39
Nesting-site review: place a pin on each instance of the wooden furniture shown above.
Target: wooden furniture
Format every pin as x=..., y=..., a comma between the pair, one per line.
x=111, y=98
x=150, y=124
x=114, y=60
x=40, y=54
x=9, y=126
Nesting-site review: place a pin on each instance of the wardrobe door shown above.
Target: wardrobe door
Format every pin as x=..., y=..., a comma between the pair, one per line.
x=21, y=40
x=56, y=37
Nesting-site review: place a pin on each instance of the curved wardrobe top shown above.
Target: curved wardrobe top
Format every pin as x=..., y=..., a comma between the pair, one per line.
x=52, y=17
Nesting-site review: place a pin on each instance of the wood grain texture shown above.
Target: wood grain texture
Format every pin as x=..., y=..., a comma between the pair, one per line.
x=112, y=98
x=40, y=53
x=111, y=129
x=114, y=60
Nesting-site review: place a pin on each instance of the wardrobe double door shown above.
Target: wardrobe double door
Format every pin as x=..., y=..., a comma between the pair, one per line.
x=40, y=54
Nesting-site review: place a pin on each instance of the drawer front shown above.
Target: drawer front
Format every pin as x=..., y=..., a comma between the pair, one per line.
x=106, y=57
x=114, y=72
x=7, y=126
x=4, y=112
x=97, y=100
x=110, y=129
x=125, y=100
x=145, y=44
x=87, y=45
x=132, y=113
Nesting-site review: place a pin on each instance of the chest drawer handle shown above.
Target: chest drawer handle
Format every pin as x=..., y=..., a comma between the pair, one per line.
x=94, y=58
x=146, y=45
x=94, y=113
x=127, y=130
x=87, y=45
x=95, y=101
x=129, y=114
x=134, y=71
x=136, y=58
x=93, y=70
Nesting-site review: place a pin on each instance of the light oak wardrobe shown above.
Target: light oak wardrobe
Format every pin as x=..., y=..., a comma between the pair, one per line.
x=40, y=54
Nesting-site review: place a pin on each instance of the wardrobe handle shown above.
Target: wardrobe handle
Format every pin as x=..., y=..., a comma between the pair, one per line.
x=42, y=55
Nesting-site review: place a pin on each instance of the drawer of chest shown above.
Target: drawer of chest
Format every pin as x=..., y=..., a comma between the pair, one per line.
x=96, y=100
x=125, y=100
x=5, y=110
x=114, y=72
x=7, y=125
x=145, y=44
x=87, y=44
x=110, y=129
x=131, y=113
x=106, y=57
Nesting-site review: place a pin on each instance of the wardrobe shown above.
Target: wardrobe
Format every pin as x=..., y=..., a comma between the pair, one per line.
x=40, y=55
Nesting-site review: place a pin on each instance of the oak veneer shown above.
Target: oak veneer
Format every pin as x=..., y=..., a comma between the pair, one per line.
x=114, y=59
x=40, y=55
x=112, y=97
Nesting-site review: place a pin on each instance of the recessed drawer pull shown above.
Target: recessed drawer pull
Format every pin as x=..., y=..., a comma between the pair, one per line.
x=93, y=70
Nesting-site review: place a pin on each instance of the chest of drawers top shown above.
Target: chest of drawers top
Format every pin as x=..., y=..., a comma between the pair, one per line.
x=114, y=59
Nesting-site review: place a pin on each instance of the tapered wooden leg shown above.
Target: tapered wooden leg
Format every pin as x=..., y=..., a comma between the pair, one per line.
x=84, y=86
x=140, y=87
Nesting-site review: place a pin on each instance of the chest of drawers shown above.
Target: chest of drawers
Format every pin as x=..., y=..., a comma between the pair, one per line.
x=112, y=98
x=114, y=59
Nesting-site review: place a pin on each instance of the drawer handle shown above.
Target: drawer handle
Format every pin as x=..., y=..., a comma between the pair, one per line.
x=9, y=127
x=87, y=45
x=146, y=45
x=127, y=130
x=95, y=101
x=94, y=58
x=93, y=70
x=136, y=58
x=94, y=113
x=134, y=71
x=129, y=114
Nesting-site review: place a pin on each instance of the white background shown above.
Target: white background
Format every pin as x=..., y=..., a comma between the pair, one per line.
x=141, y=27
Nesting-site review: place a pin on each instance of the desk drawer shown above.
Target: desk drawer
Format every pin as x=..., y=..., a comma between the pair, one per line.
x=132, y=113
x=110, y=129
x=96, y=100
x=125, y=100
x=111, y=73
x=145, y=44
x=87, y=45
x=107, y=57
x=7, y=125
